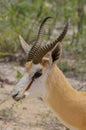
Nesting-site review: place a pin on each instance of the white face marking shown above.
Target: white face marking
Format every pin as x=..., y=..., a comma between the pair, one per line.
x=38, y=87
x=28, y=87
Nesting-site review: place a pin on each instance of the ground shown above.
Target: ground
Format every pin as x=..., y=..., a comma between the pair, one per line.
x=28, y=114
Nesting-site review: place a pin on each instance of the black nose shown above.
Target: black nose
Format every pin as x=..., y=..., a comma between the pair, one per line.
x=14, y=95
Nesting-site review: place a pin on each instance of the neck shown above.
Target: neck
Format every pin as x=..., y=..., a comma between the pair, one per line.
x=63, y=98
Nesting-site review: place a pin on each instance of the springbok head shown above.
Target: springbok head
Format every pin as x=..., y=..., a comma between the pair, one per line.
x=38, y=65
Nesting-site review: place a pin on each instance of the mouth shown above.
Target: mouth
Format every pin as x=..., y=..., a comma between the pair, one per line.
x=18, y=96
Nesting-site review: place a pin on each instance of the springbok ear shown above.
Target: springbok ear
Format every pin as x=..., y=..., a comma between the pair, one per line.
x=56, y=53
x=24, y=45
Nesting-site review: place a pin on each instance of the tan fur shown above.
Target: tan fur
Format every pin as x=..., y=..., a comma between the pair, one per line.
x=51, y=84
x=28, y=66
x=45, y=62
x=68, y=104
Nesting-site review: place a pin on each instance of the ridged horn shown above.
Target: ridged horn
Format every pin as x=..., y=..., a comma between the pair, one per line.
x=45, y=49
x=38, y=41
x=39, y=36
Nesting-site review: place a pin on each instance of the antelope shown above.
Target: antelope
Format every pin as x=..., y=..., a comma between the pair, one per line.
x=44, y=79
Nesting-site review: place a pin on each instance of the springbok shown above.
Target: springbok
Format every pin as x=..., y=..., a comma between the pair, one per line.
x=43, y=78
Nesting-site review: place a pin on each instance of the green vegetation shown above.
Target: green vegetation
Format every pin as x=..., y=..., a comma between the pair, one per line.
x=24, y=16
x=19, y=74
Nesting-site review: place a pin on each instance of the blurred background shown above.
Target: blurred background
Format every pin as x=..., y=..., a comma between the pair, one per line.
x=23, y=17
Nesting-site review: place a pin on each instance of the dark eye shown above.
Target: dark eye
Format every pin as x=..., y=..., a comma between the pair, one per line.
x=37, y=74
